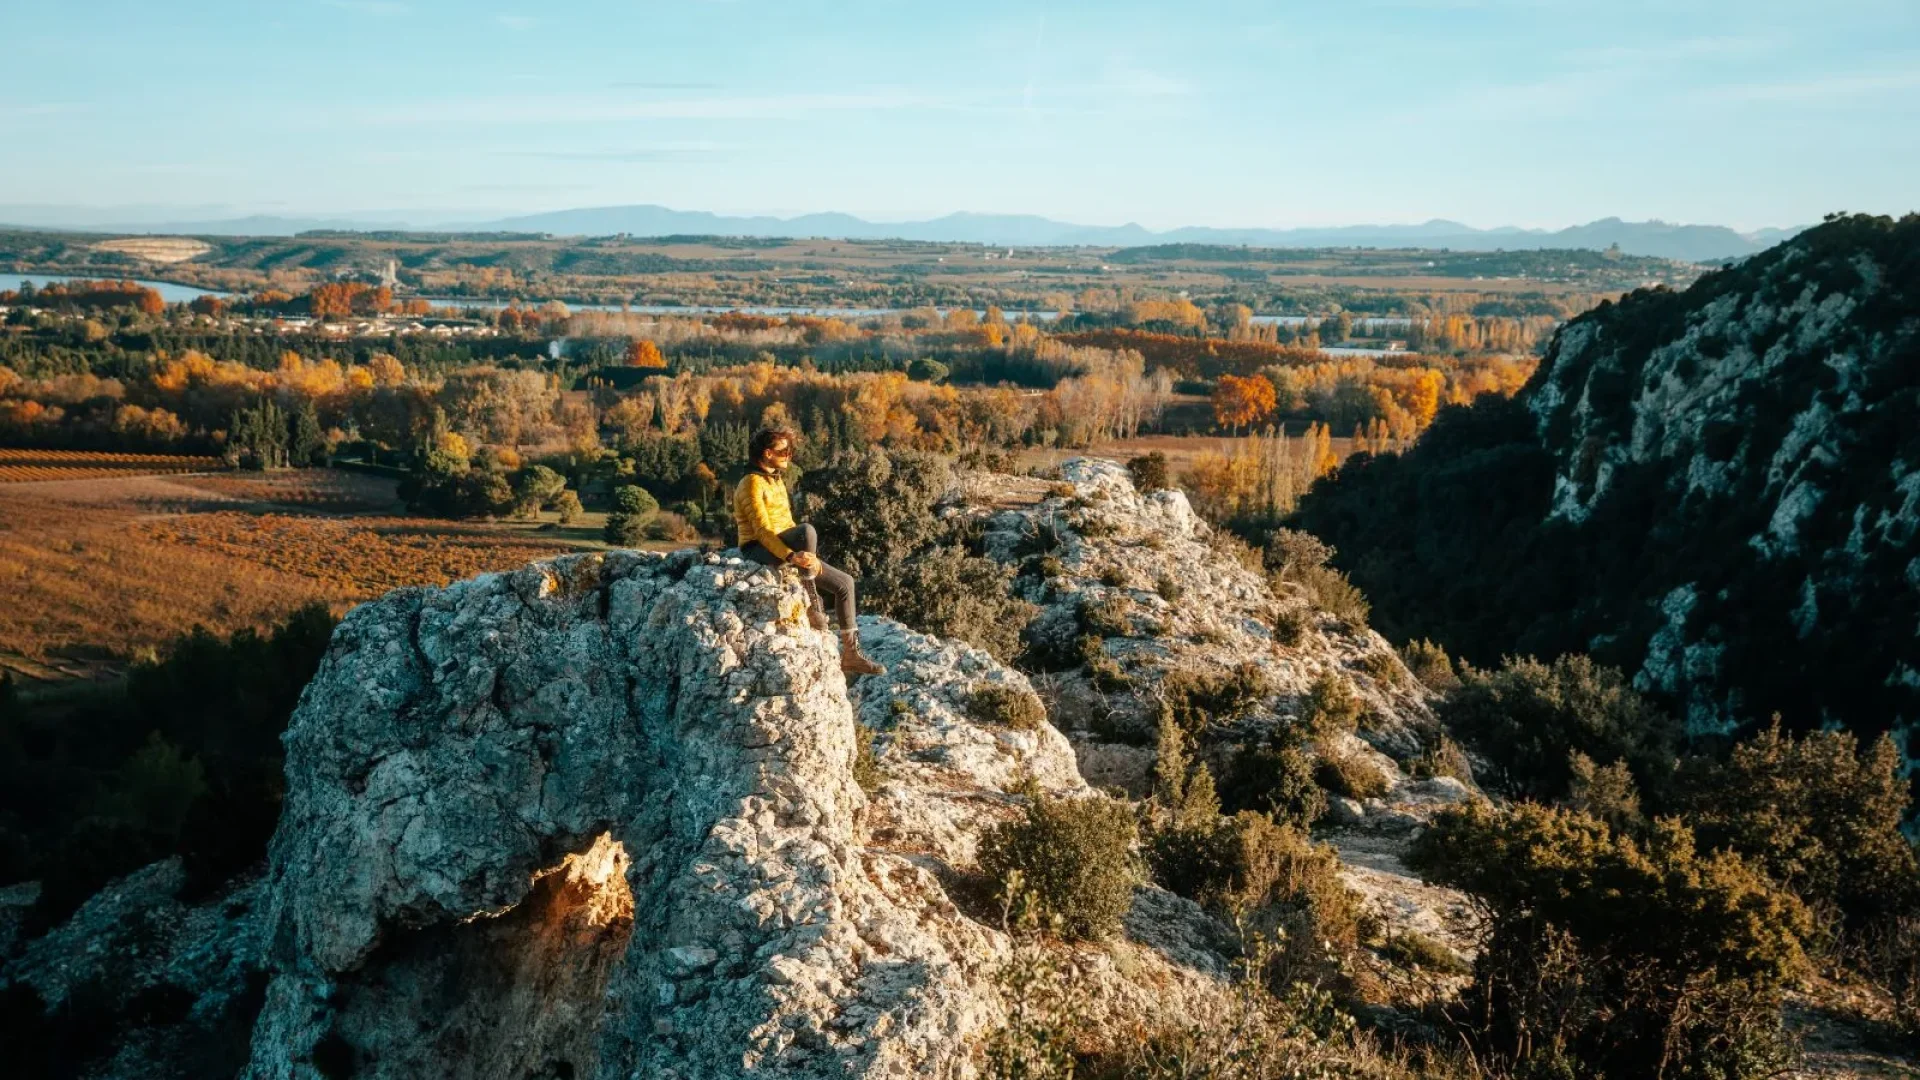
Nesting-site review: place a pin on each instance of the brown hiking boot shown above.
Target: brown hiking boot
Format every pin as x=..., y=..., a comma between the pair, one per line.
x=816, y=608
x=851, y=661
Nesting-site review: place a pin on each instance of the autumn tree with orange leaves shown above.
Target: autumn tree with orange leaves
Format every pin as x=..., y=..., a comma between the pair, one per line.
x=1239, y=401
x=643, y=353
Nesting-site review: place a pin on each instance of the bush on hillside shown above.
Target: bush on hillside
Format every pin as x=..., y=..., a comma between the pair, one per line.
x=1006, y=706
x=1346, y=773
x=1605, y=791
x=633, y=510
x=181, y=757
x=948, y=593
x=1275, y=778
x=1819, y=814
x=1196, y=699
x=1150, y=471
x=1075, y=857
x=1298, y=559
x=1275, y=878
x=1430, y=664
x=1330, y=707
x=1528, y=718
x=874, y=508
x=1604, y=955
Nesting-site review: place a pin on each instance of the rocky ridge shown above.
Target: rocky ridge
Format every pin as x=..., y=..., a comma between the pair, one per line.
x=1761, y=407
x=599, y=817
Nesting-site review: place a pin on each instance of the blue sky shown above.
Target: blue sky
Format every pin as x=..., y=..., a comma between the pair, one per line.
x=1531, y=112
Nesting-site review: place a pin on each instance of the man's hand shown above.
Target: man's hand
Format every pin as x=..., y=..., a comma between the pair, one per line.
x=805, y=560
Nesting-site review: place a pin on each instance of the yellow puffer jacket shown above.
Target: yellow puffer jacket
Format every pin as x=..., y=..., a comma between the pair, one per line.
x=762, y=511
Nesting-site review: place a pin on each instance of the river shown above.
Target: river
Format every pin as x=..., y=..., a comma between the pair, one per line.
x=181, y=294
x=171, y=293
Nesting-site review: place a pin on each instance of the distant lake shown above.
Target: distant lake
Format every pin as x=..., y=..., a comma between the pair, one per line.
x=171, y=293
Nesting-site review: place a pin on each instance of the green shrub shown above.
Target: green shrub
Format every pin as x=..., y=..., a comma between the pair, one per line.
x=1276, y=879
x=1301, y=559
x=1047, y=652
x=948, y=593
x=926, y=369
x=1196, y=699
x=1819, y=814
x=1108, y=617
x=875, y=508
x=1607, y=792
x=866, y=764
x=1093, y=526
x=1430, y=664
x=1007, y=706
x=1603, y=955
x=1330, y=591
x=1273, y=779
x=1076, y=858
x=1528, y=718
x=1038, y=538
x=1443, y=757
x=1347, y=774
x=1291, y=623
x=1289, y=550
x=1149, y=471
x=1330, y=707
x=1107, y=677
x=1416, y=950
x=633, y=509
x=155, y=789
x=1225, y=543
x=1380, y=666
x=567, y=507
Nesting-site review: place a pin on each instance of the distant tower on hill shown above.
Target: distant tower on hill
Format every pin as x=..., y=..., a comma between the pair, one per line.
x=390, y=277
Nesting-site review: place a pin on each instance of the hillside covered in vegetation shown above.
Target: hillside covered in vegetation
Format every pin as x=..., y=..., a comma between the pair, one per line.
x=1717, y=490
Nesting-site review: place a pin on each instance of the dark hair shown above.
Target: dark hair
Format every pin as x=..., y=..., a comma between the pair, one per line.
x=764, y=439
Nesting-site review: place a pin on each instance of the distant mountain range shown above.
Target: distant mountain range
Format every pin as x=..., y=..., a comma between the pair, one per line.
x=1693, y=243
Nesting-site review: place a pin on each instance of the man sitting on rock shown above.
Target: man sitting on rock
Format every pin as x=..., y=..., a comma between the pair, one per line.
x=769, y=536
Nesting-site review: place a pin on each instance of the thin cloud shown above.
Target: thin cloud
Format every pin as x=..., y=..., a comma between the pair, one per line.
x=599, y=109
x=1819, y=88
x=1657, y=53
x=664, y=86
x=516, y=23
x=379, y=9
x=41, y=108
x=629, y=156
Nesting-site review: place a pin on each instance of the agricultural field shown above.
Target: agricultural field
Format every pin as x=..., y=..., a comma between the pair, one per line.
x=34, y=466
x=1181, y=450
x=101, y=571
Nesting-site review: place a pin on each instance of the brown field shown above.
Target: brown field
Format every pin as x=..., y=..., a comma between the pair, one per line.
x=36, y=466
x=1181, y=450
x=159, y=249
x=100, y=571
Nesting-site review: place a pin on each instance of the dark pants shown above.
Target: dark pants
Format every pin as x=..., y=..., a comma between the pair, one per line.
x=836, y=586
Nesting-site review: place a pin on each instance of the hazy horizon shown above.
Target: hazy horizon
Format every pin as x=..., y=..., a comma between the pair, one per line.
x=1529, y=113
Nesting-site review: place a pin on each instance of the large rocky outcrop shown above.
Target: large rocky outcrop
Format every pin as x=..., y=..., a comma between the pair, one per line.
x=600, y=817
x=1167, y=597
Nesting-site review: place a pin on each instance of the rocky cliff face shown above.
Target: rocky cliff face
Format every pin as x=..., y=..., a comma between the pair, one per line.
x=1766, y=415
x=1717, y=490
x=599, y=818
